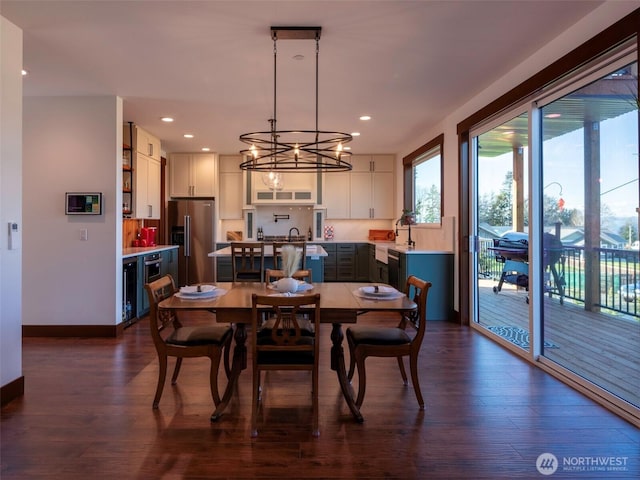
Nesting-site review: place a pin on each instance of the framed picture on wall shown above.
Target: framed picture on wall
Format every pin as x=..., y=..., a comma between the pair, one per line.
x=83, y=203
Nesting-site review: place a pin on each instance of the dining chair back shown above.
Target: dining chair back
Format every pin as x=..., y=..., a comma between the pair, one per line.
x=381, y=341
x=277, y=253
x=272, y=275
x=172, y=339
x=247, y=261
x=285, y=346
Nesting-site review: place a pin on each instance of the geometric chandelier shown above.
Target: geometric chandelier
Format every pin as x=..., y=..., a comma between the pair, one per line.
x=276, y=151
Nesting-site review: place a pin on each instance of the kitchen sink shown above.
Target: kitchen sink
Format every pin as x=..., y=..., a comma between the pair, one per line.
x=382, y=254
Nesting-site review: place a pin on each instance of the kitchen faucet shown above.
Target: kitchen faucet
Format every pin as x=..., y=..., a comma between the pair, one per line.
x=291, y=230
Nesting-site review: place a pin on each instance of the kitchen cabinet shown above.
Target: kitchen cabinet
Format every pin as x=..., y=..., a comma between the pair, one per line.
x=378, y=271
x=146, y=143
x=143, y=173
x=192, y=174
x=372, y=185
x=147, y=187
x=230, y=178
x=336, y=196
x=434, y=267
x=299, y=188
x=346, y=262
x=361, y=262
x=169, y=263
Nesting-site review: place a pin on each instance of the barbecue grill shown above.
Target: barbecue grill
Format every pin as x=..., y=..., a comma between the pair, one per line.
x=512, y=250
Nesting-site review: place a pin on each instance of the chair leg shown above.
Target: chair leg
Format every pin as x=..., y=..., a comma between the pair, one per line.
x=213, y=376
x=316, y=427
x=362, y=377
x=176, y=371
x=162, y=374
x=352, y=358
x=402, y=371
x=227, y=366
x=413, y=363
x=254, y=402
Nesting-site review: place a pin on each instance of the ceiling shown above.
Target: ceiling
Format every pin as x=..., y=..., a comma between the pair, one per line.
x=209, y=64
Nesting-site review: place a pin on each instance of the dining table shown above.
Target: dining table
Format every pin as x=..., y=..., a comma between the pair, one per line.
x=340, y=303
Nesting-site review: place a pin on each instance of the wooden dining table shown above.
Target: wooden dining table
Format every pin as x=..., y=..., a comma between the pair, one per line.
x=340, y=303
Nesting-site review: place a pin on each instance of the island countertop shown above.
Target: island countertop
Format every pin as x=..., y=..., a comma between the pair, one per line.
x=312, y=251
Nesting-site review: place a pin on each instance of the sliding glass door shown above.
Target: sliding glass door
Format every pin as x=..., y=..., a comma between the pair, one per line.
x=589, y=162
x=500, y=224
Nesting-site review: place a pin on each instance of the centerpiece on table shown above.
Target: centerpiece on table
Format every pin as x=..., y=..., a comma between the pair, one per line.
x=290, y=263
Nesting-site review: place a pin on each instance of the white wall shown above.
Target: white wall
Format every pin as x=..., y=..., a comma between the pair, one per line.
x=10, y=200
x=72, y=144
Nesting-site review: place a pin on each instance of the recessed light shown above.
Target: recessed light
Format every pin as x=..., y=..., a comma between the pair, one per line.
x=24, y=72
x=167, y=119
x=365, y=117
x=188, y=135
x=553, y=115
x=355, y=134
x=206, y=149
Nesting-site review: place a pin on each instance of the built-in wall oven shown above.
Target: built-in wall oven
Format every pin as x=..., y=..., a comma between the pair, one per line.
x=152, y=267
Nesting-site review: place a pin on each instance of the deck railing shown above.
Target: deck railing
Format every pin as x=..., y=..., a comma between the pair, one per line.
x=617, y=269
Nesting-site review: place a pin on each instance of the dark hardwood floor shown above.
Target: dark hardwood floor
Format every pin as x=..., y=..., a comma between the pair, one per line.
x=86, y=413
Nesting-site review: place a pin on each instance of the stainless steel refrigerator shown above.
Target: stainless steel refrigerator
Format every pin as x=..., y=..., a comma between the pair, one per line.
x=191, y=225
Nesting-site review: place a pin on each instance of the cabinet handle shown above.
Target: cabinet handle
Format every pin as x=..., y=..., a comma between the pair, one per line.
x=150, y=210
x=151, y=149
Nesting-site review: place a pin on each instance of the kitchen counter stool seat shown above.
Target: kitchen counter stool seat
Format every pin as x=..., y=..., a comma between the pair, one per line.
x=184, y=342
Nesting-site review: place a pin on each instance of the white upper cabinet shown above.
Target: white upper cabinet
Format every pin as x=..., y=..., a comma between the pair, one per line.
x=299, y=188
x=372, y=185
x=145, y=161
x=230, y=175
x=147, y=191
x=336, y=195
x=192, y=174
x=147, y=144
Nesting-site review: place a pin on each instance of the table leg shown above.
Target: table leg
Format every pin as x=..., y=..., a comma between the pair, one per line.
x=337, y=364
x=239, y=363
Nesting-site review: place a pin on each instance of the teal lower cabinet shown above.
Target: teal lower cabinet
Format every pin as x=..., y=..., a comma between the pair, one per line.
x=170, y=263
x=143, y=298
x=434, y=267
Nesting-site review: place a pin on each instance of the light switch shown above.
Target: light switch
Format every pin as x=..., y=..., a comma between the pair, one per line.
x=84, y=235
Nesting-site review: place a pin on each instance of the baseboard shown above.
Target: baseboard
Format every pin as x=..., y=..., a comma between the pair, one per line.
x=12, y=390
x=102, y=331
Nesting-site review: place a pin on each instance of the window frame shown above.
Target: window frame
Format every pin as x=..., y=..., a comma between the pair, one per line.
x=408, y=178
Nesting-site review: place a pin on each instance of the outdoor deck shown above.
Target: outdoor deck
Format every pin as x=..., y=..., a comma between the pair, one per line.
x=601, y=347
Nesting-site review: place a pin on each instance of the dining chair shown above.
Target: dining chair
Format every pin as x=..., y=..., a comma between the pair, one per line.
x=268, y=319
x=272, y=275
x=381, y=341
x=277, y=253
x=247, y=261
x=172, y=339
x=285, y=347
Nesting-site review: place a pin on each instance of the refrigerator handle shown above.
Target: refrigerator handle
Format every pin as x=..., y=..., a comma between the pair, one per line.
x=187, y=235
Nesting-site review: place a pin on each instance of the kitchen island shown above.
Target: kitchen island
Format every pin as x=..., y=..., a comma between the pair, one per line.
x=314, y=261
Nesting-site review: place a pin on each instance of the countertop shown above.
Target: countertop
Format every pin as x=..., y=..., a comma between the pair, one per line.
x=312, y=251
x=135, y=251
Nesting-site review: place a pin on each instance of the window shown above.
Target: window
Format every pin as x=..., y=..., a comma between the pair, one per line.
x=423, y=182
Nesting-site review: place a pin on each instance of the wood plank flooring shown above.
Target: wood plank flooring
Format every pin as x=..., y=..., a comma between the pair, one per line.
x=600, y=346
x=86, y=413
